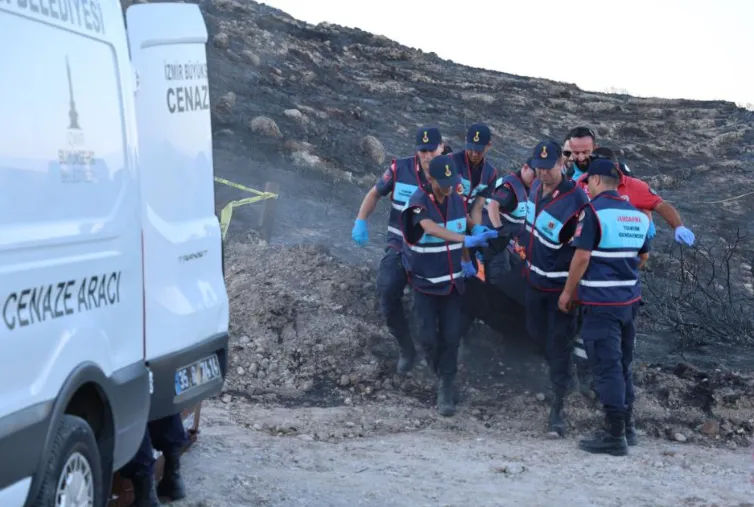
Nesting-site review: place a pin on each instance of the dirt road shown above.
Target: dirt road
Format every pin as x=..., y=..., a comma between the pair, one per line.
x=234, y=464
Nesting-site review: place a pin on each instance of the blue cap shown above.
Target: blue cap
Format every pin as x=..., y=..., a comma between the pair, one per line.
x=478, y=137
x=428, y=138
x=442, y=169
x=603, y=167
x=545, y=155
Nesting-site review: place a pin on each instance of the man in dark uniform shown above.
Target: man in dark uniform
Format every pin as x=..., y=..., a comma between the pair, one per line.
x=436, y=260
x=478, y=176
x=400, y=181
x=168, y=436
x=551, y=214
x=611, y=246
x=507, y=213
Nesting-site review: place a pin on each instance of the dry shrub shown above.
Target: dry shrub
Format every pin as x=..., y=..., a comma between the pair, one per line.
x=698, y=294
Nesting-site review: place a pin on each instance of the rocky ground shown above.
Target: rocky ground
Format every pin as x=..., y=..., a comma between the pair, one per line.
x=313, y=414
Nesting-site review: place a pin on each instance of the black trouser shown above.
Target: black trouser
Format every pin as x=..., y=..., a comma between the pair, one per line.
x=391, y=281
x=609, y=336
x=166, y=435
x=439, y=321
x=547, y=324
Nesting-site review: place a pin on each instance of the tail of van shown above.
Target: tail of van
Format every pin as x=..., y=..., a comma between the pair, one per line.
x=113, y=308
x=74, y=388
x=186, y=301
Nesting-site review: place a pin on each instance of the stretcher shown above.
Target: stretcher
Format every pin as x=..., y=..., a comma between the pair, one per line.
x=121, y=493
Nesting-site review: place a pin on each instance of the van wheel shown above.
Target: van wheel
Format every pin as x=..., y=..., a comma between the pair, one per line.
x=73, y=476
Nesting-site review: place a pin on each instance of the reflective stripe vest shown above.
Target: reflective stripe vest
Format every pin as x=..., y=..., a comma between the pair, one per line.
x=514, y=221
x=547, y=259
x=408, y=178
x=433, y=265
x=464, y=169
x=612, y=277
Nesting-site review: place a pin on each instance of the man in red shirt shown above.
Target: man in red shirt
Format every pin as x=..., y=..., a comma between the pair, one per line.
x=641, y=196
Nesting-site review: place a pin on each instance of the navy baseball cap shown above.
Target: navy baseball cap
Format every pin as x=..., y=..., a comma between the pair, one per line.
x=442, y=169
x=478, y=137
x=545, y=155
x=603, y=167
x=428, y=138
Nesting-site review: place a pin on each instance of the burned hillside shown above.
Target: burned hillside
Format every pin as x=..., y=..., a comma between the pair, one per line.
x=322, y=109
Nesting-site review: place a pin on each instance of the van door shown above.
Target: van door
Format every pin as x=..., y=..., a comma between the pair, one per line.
x=186, y=300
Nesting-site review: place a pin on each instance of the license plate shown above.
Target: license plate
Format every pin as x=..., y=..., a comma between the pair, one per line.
x=197, y=374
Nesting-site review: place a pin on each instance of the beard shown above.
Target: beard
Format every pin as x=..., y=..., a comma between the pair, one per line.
x=582, y=164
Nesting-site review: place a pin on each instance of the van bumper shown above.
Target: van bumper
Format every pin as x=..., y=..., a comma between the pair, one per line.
x=22, y=442
x=165, y=401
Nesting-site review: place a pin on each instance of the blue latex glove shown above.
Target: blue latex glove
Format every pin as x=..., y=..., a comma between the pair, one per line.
x=468, y=269
x=480, y=258
x=479, y=229
x=684, y=235
x=477, y=240
x=359, y=232
x=652, y=230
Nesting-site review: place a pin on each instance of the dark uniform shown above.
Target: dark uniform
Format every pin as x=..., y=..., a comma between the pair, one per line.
x=478, y=181
x=615, y=232
x=503, y=263
x=435, y=272
x=168, y=436
x=550, y=224
x=404, y=177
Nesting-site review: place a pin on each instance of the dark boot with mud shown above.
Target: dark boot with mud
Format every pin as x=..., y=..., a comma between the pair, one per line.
x=630, y=427
x=144, y=492
x=407, y=355
x=556, y=422
x=445, y=397
x=608, y=441
x=171, y=486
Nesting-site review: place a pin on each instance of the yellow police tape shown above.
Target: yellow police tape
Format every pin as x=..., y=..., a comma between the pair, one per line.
x=227, y=211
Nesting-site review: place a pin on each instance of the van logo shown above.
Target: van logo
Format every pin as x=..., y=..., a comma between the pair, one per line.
x=73, y=115
x=75, y=161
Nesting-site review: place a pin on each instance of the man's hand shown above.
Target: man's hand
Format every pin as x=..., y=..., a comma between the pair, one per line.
x=684, y=235
x=478, y=240
x=566, y=302
x=359, y=232
x=479, y=229
x=468, y=269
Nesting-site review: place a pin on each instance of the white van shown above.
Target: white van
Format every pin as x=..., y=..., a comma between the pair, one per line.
x=114, y=307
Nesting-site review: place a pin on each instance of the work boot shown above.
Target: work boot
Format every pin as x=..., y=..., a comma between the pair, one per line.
x=556, y=422
x=608, y=441
x=406, y=359
x=445, y=398
x=171, y=486
x=630, y=427
x=144, y=493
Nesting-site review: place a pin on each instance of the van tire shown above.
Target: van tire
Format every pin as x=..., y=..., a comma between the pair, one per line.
x=74, y=440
